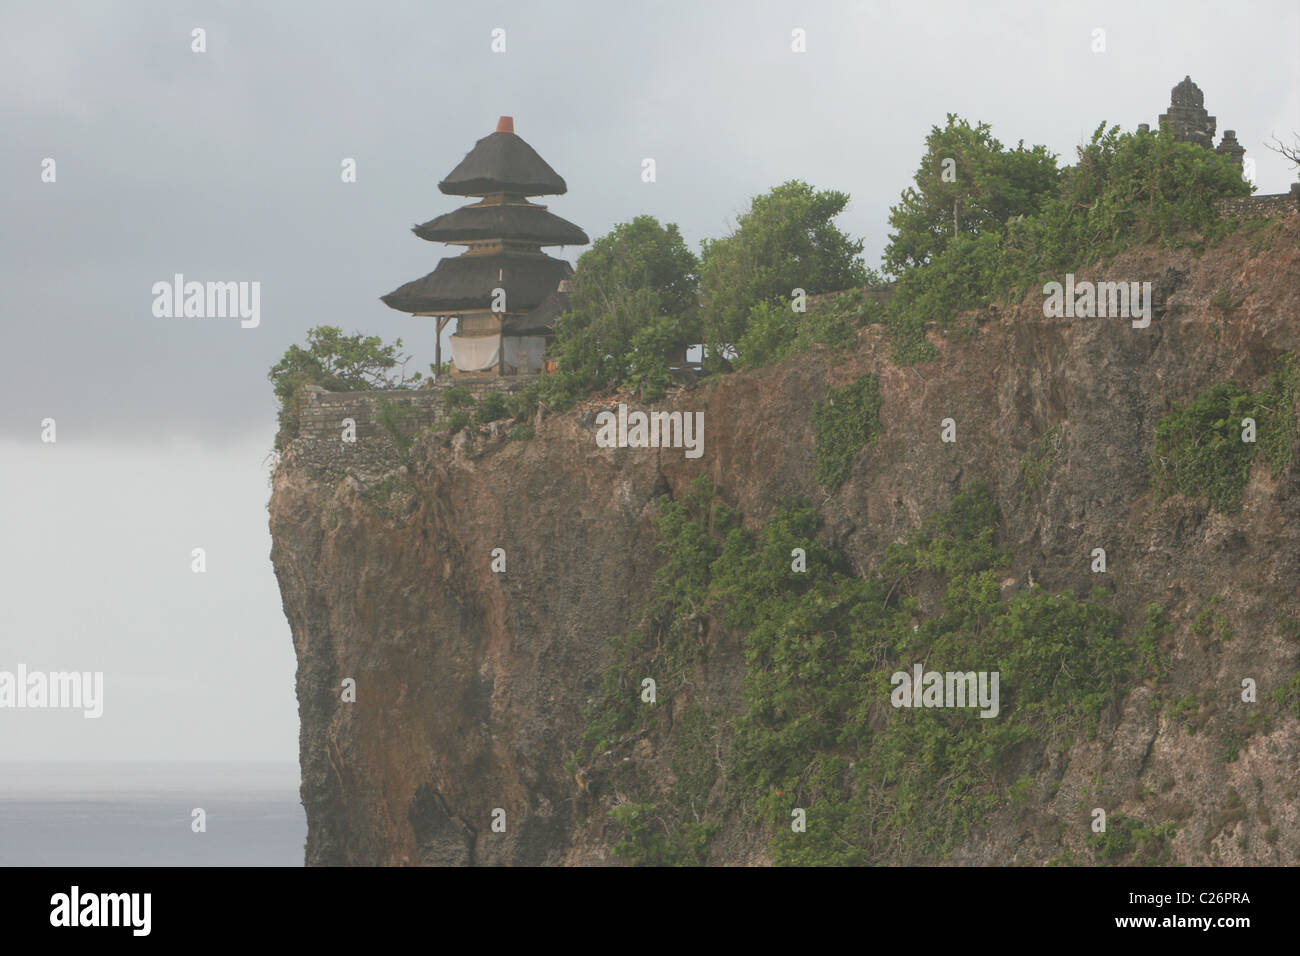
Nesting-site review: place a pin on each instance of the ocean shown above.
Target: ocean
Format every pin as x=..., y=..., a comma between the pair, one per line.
x=142, y=814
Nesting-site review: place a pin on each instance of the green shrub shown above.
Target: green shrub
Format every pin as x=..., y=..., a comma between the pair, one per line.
x=1185, y=711
x=458, y=396
x=490, y=408
x=1288, y=695
x=1280, y=398
x=775, y=331
x=381, y=493
x=1208, y=622
x=694, y=762
x=1125, y=190
x=1126, y=836
x=834, y=322
x=843, y=424
x=523, y=403
x=967, y=185
x=635, y=300
x=1155, y=625
x=1036, y=462
x=456, y=420
x=1198, y=449
x=786, y=240
x=817, y=733
x=395, y=420
x=907, y=335
x=647, y=840
x=960, y=278
x=816, y=730
x=770, y=331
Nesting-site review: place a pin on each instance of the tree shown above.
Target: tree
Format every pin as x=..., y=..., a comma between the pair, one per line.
x=1290, y=153
x=785, y=241
x=1129, y=188
x=1125, y=189
x=967, y=183
x=338, y=363
x=635, y=301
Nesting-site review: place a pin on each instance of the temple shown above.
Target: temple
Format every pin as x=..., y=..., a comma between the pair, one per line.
x=504, y=291
x=1190, y=122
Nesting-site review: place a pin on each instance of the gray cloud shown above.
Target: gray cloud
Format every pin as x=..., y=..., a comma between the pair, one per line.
x=225, y=166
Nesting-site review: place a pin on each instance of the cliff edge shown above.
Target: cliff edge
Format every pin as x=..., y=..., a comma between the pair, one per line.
x=473, y=684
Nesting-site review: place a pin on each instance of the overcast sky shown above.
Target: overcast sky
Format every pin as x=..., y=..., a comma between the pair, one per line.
x=225, y=166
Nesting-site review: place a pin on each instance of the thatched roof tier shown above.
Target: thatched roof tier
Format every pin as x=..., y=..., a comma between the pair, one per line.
x=523, y=221
x=502, y=162
x=541, y=319
x=466, y=282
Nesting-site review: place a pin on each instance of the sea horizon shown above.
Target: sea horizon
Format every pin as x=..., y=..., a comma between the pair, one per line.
x=143, y=813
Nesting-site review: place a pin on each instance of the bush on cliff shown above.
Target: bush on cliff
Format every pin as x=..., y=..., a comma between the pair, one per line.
x=1125, y=190
x=967, y=185
x=843, y=424
x=786, y=240
x=816, y=730
x=634, y=301
x=986, y=228
x=777, y=331
x=646, y=840
x=1200, y=448
x=492, y=407
x=338, y=363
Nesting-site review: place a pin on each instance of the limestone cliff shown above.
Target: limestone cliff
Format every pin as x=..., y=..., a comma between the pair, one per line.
x=471, y=684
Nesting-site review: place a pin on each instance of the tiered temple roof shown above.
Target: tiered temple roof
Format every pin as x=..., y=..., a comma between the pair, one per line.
x=504, y=234
x=464, y=284
x=502, y=162
x=513, y=218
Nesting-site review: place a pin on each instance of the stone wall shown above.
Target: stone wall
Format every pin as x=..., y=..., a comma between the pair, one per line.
x=321, y=415
x=480, y=385
x=1260, y=207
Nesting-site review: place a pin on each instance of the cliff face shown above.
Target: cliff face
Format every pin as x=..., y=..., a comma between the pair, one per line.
x=471, y=683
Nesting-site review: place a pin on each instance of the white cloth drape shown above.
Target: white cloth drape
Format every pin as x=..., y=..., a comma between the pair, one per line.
x=476, y=353
x=481, y=353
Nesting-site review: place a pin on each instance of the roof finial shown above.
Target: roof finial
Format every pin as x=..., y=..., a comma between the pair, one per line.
x=506, y=124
